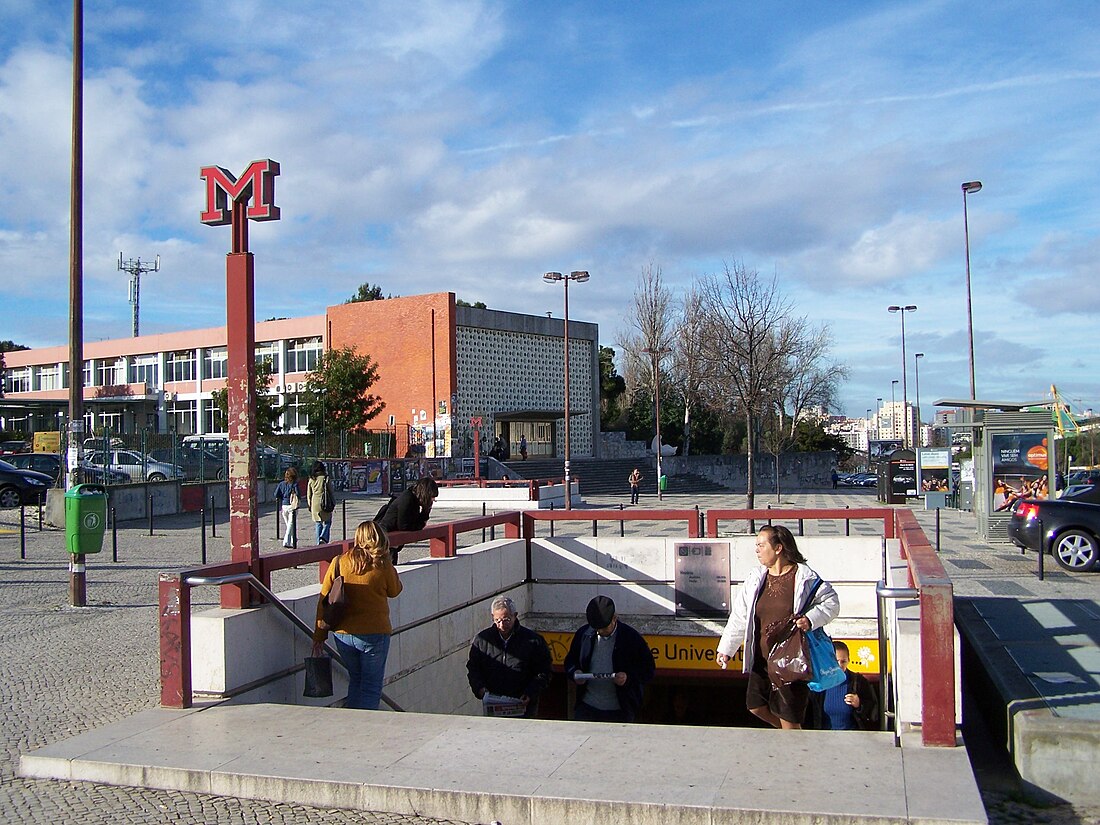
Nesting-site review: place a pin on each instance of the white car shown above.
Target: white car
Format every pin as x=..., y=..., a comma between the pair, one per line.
x=137, y=466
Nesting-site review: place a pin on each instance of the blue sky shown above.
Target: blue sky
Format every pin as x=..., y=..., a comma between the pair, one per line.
x=471, y=146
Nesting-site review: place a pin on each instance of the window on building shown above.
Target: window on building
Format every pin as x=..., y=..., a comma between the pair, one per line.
x=269, y=352
x=302, y=354
x=110, y=373
x=49, y=377
x=110, y=421
x=295, y=418
x=89, y=374
x=212, y=419
x=18, y=380
x=145, y=368
x=180, y=366
x=213, y=363
x=183, y=417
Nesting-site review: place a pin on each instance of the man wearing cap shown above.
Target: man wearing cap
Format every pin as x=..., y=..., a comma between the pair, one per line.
x=607, y=646
x=508, y=659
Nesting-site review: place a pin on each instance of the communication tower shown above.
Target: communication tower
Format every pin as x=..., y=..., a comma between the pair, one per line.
x=135, y=269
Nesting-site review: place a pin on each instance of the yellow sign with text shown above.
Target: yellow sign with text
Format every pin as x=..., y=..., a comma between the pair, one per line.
x=697, y=652
x=47, y=442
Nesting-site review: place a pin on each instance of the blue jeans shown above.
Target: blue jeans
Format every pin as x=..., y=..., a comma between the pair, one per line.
x=365, y=658
x=323, y=528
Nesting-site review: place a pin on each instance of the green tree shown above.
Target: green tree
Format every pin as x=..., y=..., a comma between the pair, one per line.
x=368, y=292
x=337, y=392
x=612, y=387
x=268, y=410
x=476, y=305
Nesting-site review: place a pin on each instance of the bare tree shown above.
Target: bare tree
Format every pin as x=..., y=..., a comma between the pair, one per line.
x=688, y=368
x=750, y=332
x=649, y=335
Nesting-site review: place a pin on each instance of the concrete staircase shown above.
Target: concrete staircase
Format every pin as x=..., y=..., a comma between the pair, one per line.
x=608, y=476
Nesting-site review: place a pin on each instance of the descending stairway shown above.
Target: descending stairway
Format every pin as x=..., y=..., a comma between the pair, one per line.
x=609, y=476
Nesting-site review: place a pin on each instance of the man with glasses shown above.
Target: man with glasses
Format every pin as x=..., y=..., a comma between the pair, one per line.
x=610, y=662
x=509, y=660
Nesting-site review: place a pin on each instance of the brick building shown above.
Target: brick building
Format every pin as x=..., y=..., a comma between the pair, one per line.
x=437, y=363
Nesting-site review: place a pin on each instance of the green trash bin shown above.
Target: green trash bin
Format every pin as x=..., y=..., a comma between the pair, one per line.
x=663, y=482
x=85, y=518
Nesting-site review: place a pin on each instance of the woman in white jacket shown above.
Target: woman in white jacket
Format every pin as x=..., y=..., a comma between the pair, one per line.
x=775, y=590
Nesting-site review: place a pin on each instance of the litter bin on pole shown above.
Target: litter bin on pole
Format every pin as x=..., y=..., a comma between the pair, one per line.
x=663, y=482
x=85, y=518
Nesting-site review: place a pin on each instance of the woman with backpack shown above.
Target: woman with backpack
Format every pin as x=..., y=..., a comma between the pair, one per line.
x=321, y=500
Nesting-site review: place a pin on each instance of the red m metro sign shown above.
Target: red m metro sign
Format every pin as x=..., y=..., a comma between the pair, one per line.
x=257, y=185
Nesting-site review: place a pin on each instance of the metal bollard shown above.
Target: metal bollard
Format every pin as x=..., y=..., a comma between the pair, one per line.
x=22, y=533
x=937, y=529
x=622, y=524
x=483, y=516
x=801, y=527
x=114, y=535
x=278, y=524
x=492, y=532
x=595, y=532
x=149, y=504
x=344, y=517
x=213, y=519
x=40, y=505
x=551, y=522
x=847, y=522
x=202, y=533
x=1042, y=550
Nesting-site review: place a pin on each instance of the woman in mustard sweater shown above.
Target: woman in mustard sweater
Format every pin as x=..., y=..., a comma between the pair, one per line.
x=363, y=633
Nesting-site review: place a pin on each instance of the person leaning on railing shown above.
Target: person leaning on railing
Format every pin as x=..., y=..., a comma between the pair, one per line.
x=409, y=511
x=362, y=634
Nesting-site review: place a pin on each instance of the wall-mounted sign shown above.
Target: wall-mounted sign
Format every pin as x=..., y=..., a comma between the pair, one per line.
x=702, y=578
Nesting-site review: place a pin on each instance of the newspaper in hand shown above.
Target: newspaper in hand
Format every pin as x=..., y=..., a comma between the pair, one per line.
x=580, y=676
x=495, y=705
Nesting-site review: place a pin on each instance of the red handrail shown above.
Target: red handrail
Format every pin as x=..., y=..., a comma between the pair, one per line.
x=883, y=514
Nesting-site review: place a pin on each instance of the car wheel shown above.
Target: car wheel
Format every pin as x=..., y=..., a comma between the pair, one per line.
x=1076, y=551
x=9, y=497
x=158, y=477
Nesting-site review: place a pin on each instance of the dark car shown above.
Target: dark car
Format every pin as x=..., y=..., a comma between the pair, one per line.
x=50, y=464
x=1067, y=529
x=21, y=486
x=196, y=463
x=10, y=447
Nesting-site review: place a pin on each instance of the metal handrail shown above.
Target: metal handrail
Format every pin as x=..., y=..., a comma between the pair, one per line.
x=295, y=619
x=882, y=592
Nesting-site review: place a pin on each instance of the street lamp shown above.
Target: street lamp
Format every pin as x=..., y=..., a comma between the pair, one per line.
x=969, y=188
x=893, y=409
x=901, y=310
x=916, y=374
x=656, y=355
x=580, y=276
x=868, y=434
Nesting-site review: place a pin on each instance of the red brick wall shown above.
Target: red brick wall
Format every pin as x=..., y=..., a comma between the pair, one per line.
x=397, y=334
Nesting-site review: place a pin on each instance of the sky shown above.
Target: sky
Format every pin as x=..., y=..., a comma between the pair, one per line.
x=472, y=146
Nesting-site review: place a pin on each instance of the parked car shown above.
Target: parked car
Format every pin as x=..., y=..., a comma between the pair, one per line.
x=859, y=480
x=1089, y=493
x=197, y=463
x=1068, y=530
x=50, y=464
x=136, y=466
x=18, y=486
x=11, y=447
x=269, y=461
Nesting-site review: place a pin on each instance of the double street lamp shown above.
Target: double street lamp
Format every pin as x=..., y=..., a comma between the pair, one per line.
x=580, y=276
x=904, y=389
x=969, y=188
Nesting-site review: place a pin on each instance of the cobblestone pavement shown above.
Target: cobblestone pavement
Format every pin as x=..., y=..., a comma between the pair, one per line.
x=67, y=670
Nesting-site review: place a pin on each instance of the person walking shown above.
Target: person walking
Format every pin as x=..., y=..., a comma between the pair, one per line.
x=321, y=500
x=523, y=447
x=635, y=481
x=362, y=634
x=286, y=497
x=782, y=587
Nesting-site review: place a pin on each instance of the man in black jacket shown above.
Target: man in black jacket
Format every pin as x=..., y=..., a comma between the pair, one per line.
x=508, y=659
x=610, y=663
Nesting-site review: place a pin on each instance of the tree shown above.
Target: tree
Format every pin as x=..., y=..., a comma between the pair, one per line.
x=337, y=392
x=612, y=387
x=749, y=330
x=648, y=340
x=688, y=343
x=268, y=410
x=368, y=292
x=476, y=305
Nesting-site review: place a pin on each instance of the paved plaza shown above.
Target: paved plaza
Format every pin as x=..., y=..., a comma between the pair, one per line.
x=69, y=670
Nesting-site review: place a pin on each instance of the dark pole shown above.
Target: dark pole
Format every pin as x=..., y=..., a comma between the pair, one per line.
x=568, y=481
x=149, y=501
x=202, y=533
x=114, y=535
x=435, y=413
x=78, y=583
x=214, y=519
x=969, y=187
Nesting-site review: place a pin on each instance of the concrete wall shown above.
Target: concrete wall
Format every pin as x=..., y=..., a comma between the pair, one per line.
x=131, y=501
x=797, y=471
x=507, y=498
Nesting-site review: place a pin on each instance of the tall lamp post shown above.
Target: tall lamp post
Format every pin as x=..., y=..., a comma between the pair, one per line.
x=901, y=310
x=969, y=188
x=893, y=408
x=916, y=374
x=580, y=276
x=656, y=355
x=868, y=440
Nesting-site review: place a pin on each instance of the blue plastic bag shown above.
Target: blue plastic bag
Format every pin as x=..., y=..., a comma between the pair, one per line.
x=827, y=672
